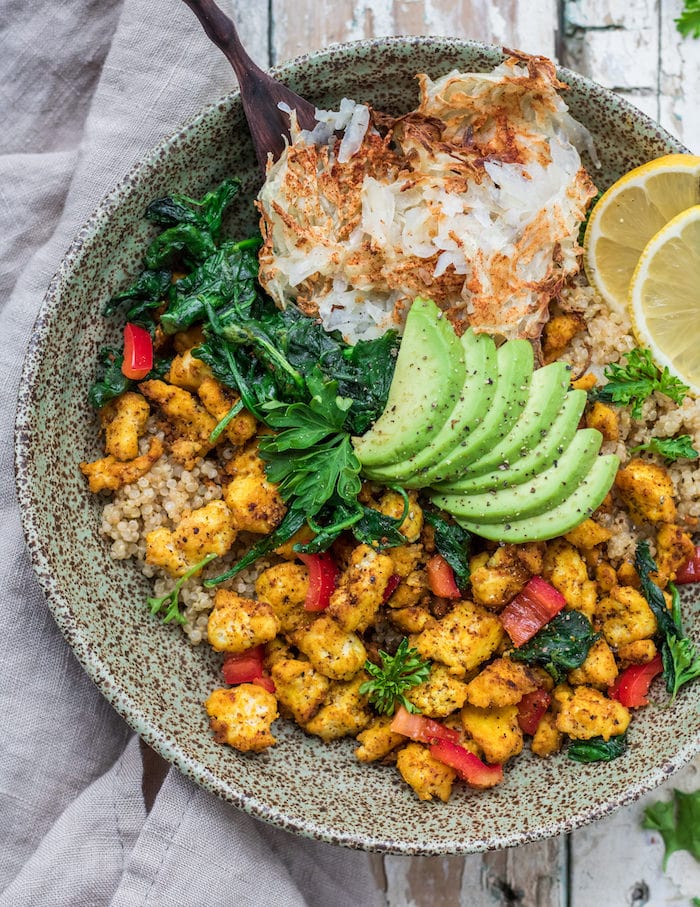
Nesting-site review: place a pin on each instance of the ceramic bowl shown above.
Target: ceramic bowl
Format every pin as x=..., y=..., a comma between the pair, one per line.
x=152, y=677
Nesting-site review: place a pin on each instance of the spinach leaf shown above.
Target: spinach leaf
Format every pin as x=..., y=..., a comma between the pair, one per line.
x=453, y=543
x=561, y=646
x=147, y=292
x=679, y=656
x=111, y=383
x=229, y=275
x=597, y=750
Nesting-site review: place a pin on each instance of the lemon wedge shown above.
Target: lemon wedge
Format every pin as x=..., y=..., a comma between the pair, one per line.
x=664, y=297
x=629, y=214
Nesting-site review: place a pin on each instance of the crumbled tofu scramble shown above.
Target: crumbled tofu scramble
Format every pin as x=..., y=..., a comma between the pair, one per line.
x=176, y=497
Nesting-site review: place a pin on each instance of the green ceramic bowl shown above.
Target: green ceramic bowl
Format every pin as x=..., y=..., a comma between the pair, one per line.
x=145, y=669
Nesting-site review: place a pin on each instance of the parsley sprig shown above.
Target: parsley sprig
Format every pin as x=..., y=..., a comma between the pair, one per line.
x=390, y=680
x=680, y=447
x=633, y=383
x=678, y=823
x=680, y=658
x=688, y=23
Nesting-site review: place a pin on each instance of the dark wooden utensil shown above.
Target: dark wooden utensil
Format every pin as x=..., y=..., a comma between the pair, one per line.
x=260, y=93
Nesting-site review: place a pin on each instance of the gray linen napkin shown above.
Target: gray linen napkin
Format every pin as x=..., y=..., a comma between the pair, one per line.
x=86, y=86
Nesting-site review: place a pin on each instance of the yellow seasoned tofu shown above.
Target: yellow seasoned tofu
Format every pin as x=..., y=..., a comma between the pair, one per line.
x=237, y=624
x=583, y=713
x=440, y=695
x=605, y=420
x=639, y=652
x=255, y=504
x=503, y=682
x=625, y=616
x=599, y=669
x=496, y=731
x=189, y=422
x=647, y=492
x=218, y=402
x=391, y=504
x=242, y=716
x=428, y=777
x=547, y=739
x=344, y=712
x=499, y=577
x=377, y=740
x=300, y=690
x=463, y=639
x=558, y=333
x=333, y=651
x=588, y=534
x=187, y=372
x=124, y=422
x=284, y=587
x=674, y=548
x=410, y=620
x=360, y=590
x=566, y=570
x=204, y=531
x=110, y=474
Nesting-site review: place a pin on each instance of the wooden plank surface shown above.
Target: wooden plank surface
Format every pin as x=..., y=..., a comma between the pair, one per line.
x=632, y=47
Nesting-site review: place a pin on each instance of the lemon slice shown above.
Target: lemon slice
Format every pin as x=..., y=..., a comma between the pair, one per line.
x=665, y=297
x=633, y=210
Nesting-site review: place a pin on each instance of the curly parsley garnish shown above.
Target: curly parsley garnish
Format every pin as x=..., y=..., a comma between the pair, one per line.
x=635, y=382
x=396, y=674
x=678, y=448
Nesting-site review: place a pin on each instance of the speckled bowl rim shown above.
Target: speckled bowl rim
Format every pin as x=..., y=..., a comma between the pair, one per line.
x=109, y=684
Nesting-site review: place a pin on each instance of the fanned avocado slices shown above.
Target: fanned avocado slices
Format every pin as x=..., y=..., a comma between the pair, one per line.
x=544, y=492
x=472, y=405
x=428, y=379
x=495, y=441
x=572, y=511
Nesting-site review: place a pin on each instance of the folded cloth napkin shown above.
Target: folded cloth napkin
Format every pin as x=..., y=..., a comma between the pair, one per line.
x=87, y=87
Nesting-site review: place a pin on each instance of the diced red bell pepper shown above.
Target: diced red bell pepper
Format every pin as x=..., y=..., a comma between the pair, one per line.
x=531, y=708
x=392, y=585
x=632, y=686
x=441, y=578
x=323, y=576
x=690, y=572
x=531, y=609
x=138, y=352
x=247, y=667
x=468, y=766
x=420, y=728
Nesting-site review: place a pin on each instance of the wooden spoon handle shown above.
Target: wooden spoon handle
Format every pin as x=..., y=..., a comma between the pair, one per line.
x=260, y=93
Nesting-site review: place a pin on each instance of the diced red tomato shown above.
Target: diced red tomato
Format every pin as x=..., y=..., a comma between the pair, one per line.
x=138, y=352
x=392, y=585
x=420, y=728
x=441, y=578
x=247, y=667
x=531, y=708
x=468, y=766
x=531, y=609
x=323, y=576
x=690, y=572
x=632, y=686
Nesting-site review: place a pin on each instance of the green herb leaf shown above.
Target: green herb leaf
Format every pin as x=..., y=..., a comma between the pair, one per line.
x=453, y=543
x=112, y=382
x=170, y=602
x=390, y=680
x=379, y=530
x=561, y=646
x=680, y=447
x=688, y=23
x=146, y=293
x=633, y=383
x=678, y=823
x=680, y=658
x=582, y=229
x=597, y=750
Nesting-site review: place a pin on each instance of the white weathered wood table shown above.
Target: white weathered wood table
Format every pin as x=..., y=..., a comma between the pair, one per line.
x=632, y=47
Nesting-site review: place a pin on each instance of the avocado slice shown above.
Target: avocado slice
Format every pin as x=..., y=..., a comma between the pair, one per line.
x=515, y=362
x=472, y=405
x=552, y=445
x=547, y=392
x=542, y=493
x=571, y=512
x=428, y=378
